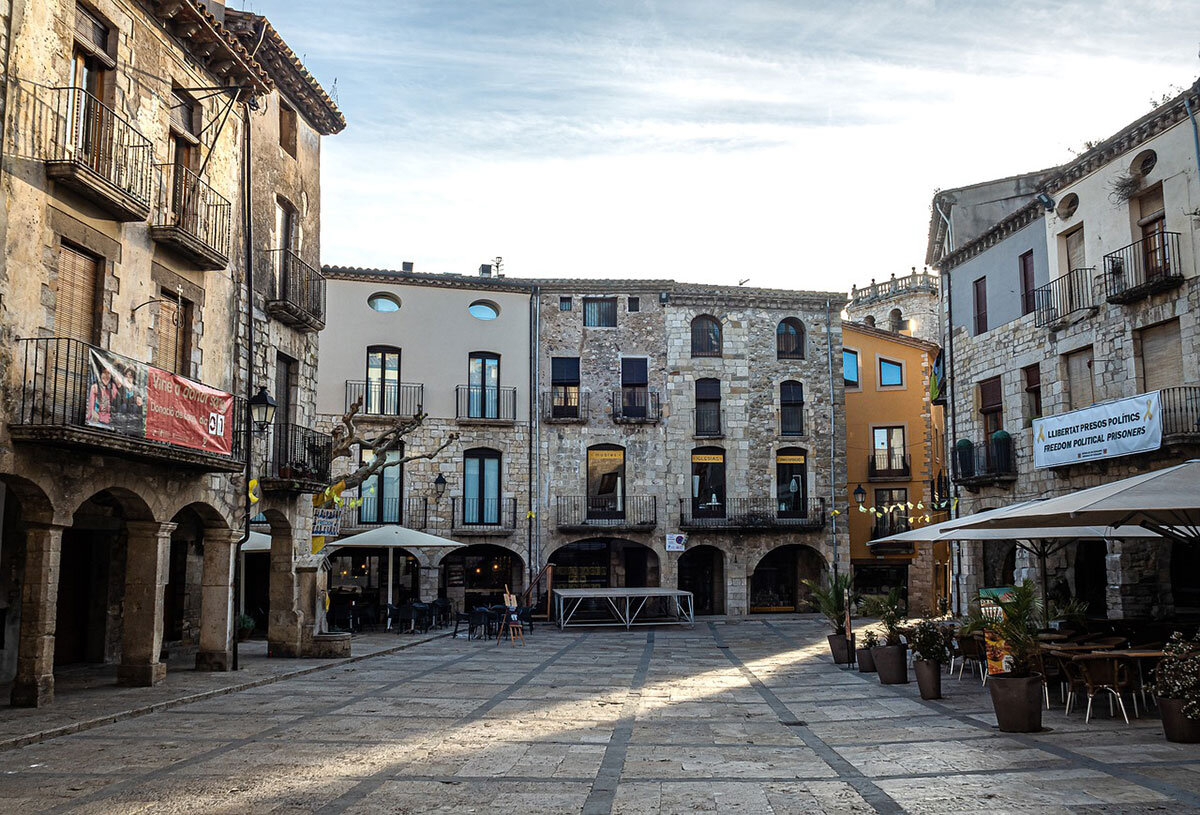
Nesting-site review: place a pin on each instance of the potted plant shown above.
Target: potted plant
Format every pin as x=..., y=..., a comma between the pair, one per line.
x=930, y=643
x=891, y=658
x=245, y=627
x=1017, y=693
x=1177, y=686
x=831, y=599
x=866, y=662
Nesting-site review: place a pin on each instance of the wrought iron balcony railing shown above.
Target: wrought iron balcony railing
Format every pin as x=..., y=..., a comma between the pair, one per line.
x=297, y=294
x=636, y=404
x=1181, y=411
x=1062, y=296
x=484, y=516
x=100, y=155
x=62, y=401
x=300, y=457
x=566, y=405
x=889, y=524
x=192, y=218
x=411, y=512
x=1145, y=267
x=708, y=421
x=993, y=462
x=475, y=403
x=385, y=398
x=585, y=511
x=752, y=513
x=888, y=465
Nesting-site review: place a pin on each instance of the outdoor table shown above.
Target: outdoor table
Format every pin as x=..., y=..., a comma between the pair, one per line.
x=1053, y=637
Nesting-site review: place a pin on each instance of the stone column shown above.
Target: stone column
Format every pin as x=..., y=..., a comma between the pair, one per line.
x=147, y=559
x=216, y=601
x=306, y=589
x=34, y=682
x=428, y=583
x=284, y=618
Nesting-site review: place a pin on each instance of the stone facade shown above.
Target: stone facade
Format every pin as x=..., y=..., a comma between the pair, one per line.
x=904, y=305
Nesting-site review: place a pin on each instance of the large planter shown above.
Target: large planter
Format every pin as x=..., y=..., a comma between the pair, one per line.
x=243, y=634
x=866, y=660
x=891, y=663
x=1178, y=727
x=929, y=678
x=842, y=650
x=1017, y=702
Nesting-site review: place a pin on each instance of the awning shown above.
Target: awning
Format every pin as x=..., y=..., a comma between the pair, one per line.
x=258, y=542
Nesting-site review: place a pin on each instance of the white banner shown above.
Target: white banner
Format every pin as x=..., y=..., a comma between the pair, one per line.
x=1113, y=429
x=327, y=522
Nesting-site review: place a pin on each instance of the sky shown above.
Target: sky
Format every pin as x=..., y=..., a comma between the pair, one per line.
x=790, y=144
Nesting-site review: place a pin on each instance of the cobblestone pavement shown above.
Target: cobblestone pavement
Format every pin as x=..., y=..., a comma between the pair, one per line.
x=728, y=717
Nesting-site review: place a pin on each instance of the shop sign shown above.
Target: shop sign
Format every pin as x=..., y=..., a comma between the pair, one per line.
x=789, y=459
x=327, y=521
x=1118, y=428
x=707, y=458
x=606, y=455
x=676, y=542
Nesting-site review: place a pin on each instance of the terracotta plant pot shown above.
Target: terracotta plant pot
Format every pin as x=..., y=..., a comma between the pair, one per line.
x=891, y=663
x=841, y=649
x=1017, y=702
x=929, y=678
x=1178, y=727
x=866, y=662
x=243, y=634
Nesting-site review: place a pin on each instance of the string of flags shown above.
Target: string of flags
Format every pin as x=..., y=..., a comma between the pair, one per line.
x=908, y=507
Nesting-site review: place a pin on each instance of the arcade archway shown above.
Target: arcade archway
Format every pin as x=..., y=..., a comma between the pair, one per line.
x=702, y=572
x=605, y=562
x=777, y=584
x=476, y=575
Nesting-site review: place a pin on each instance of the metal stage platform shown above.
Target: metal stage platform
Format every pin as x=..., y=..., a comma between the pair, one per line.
x=625, y=604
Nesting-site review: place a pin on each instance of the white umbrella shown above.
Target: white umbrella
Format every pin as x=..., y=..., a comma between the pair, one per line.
x=394, y=537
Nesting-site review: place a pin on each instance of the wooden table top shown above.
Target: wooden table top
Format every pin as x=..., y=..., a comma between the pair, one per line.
x=1136, y=653
x=1074, y=646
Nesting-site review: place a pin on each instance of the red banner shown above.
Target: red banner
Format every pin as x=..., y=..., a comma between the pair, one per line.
x=180, y=411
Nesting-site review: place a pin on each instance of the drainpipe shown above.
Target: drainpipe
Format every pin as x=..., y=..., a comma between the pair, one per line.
x=1187, y=104
x=832, y=436
x=248, y=385
x=535, y=427
x=951, y=395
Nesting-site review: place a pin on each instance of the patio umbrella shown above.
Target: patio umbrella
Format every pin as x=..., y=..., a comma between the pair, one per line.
x=394, y=537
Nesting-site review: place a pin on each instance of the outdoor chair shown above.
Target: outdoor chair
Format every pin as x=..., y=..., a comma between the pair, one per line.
x=391, y=615
x=443, y=612
x=461, y=618
x=972, y=651
x=1072, y=677
x=479, y=624
x=1103, y=673
x=1039, y=666
x=422, y=617
x=525, y=615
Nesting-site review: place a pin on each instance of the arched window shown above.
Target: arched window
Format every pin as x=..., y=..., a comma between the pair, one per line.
x=895, y=321
x=791, y=408
x=789, y=339
x=708, y=407
x=481, y=486
x=869, y=320
x=706, y=336
x=383, y=381
x=708, y=482
x=606, y=481
x=791, y=482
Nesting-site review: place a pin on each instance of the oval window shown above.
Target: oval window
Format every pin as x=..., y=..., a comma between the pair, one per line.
x=484, y=310
x=384, y=302
x=1068, y=205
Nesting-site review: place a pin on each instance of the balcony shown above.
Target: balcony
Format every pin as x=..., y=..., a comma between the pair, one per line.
x=581, y=513
x=1063, y=296
x=751, y=513
x=476, y=404
x=100, y=155
x=412, y=513
x=566, y=407
x=192, y=218
x=1181, y=414
x=916, y=282
x=52, y=408
x=483, y=517
x=992, y=464
x=886, y=526
x=1141, y=269
x=385, y=398
x=888, y=465
x=298, y=460
x=297, y=294
x=708, y=423
x=636, y=406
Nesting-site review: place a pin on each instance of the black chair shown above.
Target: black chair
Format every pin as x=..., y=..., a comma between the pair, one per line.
x=479, y=624
x=525, y=615
x=391, y=617
x=422, y=617
x=404, y=618
x=443, y=611
x=459, y=619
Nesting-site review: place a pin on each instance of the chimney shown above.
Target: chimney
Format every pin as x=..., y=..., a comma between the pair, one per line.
x=406, y=266
x=485, y=270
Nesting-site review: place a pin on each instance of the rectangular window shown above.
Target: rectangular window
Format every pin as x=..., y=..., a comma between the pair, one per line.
x=708, y=407
x=991, y=410
x=287, y=129
x=1161, y=355
x=382, y=493
x=600, y=312
x=888, y=450
x=1153, y=225
x=75, y=292
x=1027, y=286
x=1080, y=382
x=791, y=483
x=287, y=382
x=483, y=386
x=893, y=503
x=635, y=304
x=481, y=487
x=791, y=409
x=634, y=388
x=708, y=483
x=564, y=388
x=1076, y=258
x=606, y=482
x=981, y=323
x=891, y=374
x=564, y=304
x=850, y=368
x=383, y=381
x=172, y=330
x=1033, y=388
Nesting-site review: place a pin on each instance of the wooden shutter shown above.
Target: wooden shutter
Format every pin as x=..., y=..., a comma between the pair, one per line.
x=633, y=372
x=170, y=353
x=1079, y=378
x=1075, y=255
x=75, y=296
x=981, y=323
x=1162, y=356
x=1150, y=206
x=990, y=395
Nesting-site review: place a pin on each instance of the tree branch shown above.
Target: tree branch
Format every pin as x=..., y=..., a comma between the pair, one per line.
x=347, y=436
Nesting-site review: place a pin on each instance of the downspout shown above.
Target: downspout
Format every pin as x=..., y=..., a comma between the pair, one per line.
x=951, y=437
x=535, y=426
x=1187, y=104
x=832, y=436
x=248, y=385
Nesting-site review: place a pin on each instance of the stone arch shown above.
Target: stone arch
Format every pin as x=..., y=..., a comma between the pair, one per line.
x=587, y=556
x=707, y=336
x=438, y=556
x=895, y=321
x=132, y=505
x=701, y=570
x=210, y=517
x=486, y=567
x=790, y=339
x=776, y=578
x=35, y=503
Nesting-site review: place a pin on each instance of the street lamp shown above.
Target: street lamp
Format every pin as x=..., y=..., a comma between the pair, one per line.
x=860, y=495
x=439, y=487
x=262, y=409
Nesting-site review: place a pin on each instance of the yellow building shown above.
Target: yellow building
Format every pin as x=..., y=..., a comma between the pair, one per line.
x=895, y=453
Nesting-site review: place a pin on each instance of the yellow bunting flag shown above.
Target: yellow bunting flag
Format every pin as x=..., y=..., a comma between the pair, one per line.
x=252, y=492
x=318, y=543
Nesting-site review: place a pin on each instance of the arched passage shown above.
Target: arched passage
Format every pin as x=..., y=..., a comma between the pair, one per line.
x=364, y=580
x=777, y=583
x=702, y=572
x=198, y=596
x=605, y=562
x=29, y=550
x=477, y=574
x=999, y=563
x=1185, y=577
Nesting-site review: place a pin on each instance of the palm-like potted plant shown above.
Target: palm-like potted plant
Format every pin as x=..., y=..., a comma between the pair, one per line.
x=891, y=658
x=831, y=599
x=931, y=649
x=866, y=662
x=245, y=627
x=1177, y=686
x=1017, y=692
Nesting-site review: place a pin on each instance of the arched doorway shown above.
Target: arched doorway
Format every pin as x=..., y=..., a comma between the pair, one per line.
x=702, y=572
x=477, y=574
x=1091, y=576
x=605, y=562
x=777, y=584
x=1185, y=577
x=366, y=579
x=185, y=568
x=999, y=563
x=23, y=562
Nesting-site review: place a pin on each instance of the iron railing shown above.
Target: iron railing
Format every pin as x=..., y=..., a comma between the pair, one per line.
x=89, y=133
x=1181, y=410
x=939, y=491
x=708, y=421
x=991, y=461
x=752, y=513
x=566, y=405
x=299, y=454
x=485, y=403
x=1062, y=296
x=385, y=398
x=57, y=383
x=189, y=204
x=485, y=514
x=889, y=465
x=590, y=510
x=1143, y=267
x=411, y=512
x=889, y=524
x=636, y=405
x=297, y=289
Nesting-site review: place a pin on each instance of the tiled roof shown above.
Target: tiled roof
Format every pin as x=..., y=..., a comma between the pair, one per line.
x=192, y=22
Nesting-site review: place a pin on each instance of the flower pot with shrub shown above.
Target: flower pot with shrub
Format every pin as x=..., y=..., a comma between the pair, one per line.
x=1177, y=686
x=891, y=658
x=931, y=650
x=866, y=662
x=831, y=599
x=1017, y=693
x=245, y=627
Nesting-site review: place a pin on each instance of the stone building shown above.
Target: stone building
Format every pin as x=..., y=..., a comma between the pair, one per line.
x=906, y=305
x=122, y=301
x=1080, y=296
